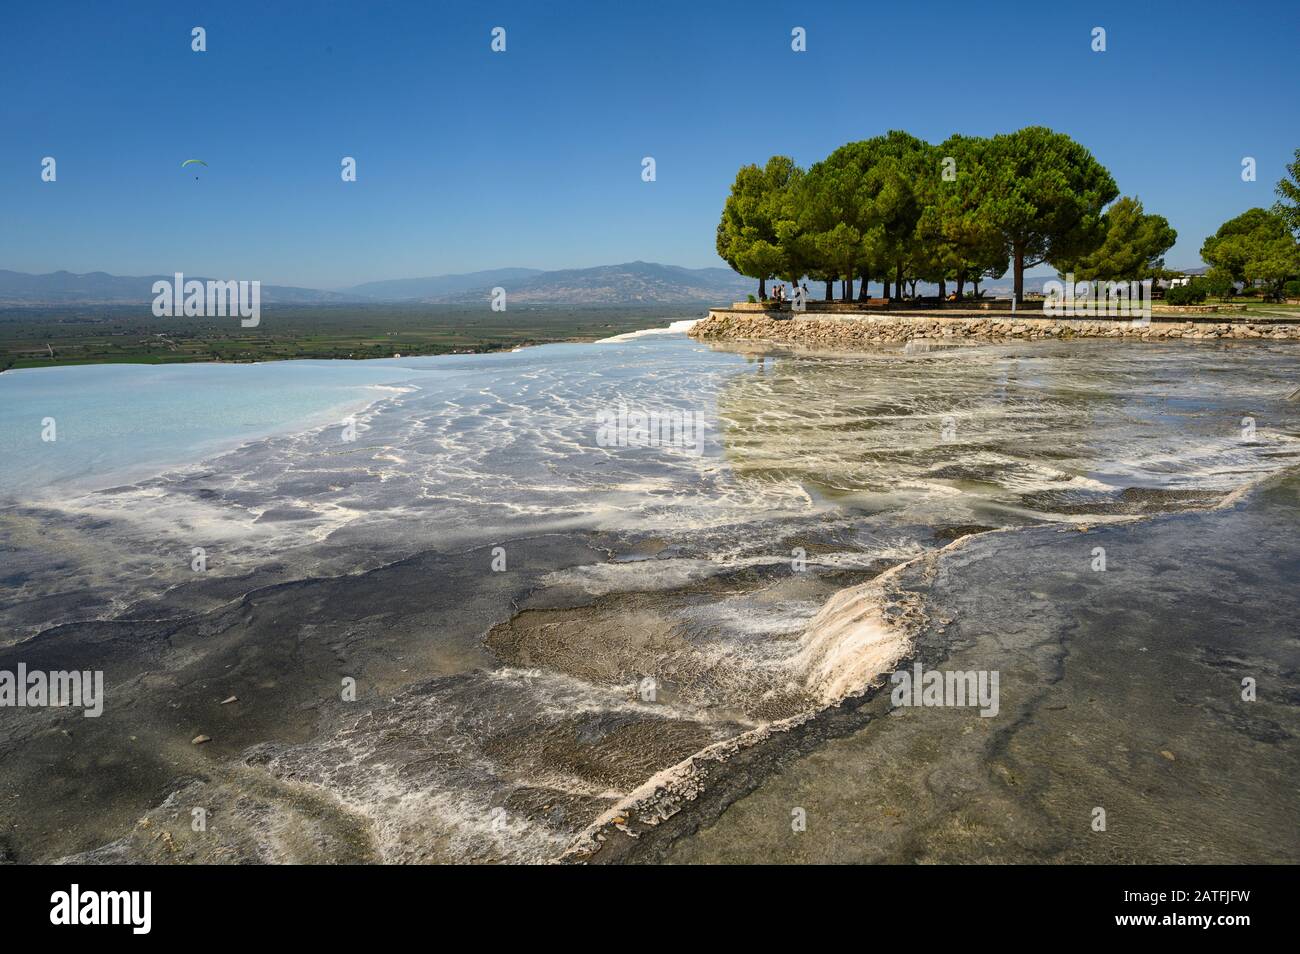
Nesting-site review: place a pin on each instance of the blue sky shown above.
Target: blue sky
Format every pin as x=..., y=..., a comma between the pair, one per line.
x=468, y=159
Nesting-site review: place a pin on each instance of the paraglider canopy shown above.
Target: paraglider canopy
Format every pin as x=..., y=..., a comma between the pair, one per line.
x=199, y=162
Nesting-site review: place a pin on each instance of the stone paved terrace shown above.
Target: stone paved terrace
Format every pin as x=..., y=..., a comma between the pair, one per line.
x=851, y=326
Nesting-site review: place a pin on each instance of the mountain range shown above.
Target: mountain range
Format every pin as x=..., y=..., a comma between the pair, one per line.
x=629, y=284
x=60, y=288
x=441, y=286
x=632, y=283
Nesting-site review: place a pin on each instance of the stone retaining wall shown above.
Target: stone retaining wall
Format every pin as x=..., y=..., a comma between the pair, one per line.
x=865, y=329
x=1033, y=309
x=1224, y=308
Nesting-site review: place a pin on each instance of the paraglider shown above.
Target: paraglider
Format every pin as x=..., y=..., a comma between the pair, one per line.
x=194, y=161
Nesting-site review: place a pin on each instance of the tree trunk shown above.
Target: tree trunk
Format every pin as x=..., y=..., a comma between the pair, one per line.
x=762, y=289
x=830, y=289
x=898, y=278
x=1020, y=273
x=884, y=287
x=863, y=294
x=943, y=289
x=961, y=285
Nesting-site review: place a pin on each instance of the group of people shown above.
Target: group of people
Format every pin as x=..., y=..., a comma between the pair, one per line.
x=779, y=293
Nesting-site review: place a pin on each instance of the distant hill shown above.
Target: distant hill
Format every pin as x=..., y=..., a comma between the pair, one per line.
x=439, y=286
x=631, y=283
x=60, y=288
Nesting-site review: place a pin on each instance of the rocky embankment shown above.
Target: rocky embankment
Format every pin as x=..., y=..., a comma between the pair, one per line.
x=849, y=331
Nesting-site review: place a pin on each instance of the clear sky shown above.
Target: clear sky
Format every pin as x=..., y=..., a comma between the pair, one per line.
x=469, y=159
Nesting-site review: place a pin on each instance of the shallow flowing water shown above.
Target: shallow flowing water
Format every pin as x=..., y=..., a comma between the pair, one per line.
x=537, y=619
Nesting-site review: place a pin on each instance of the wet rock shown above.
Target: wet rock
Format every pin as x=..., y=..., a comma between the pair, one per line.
x=854, y=330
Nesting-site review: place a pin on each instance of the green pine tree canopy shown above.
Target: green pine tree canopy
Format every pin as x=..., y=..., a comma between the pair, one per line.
x=1288, y=194
x=898, y=210
x=1255, y=248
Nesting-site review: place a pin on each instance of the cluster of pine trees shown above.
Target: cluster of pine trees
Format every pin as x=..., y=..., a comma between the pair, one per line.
x=897, y=210
x=1259, y=249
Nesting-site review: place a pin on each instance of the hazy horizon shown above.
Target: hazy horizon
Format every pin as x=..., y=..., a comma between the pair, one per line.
x=1038, y=271
x=470, y=160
